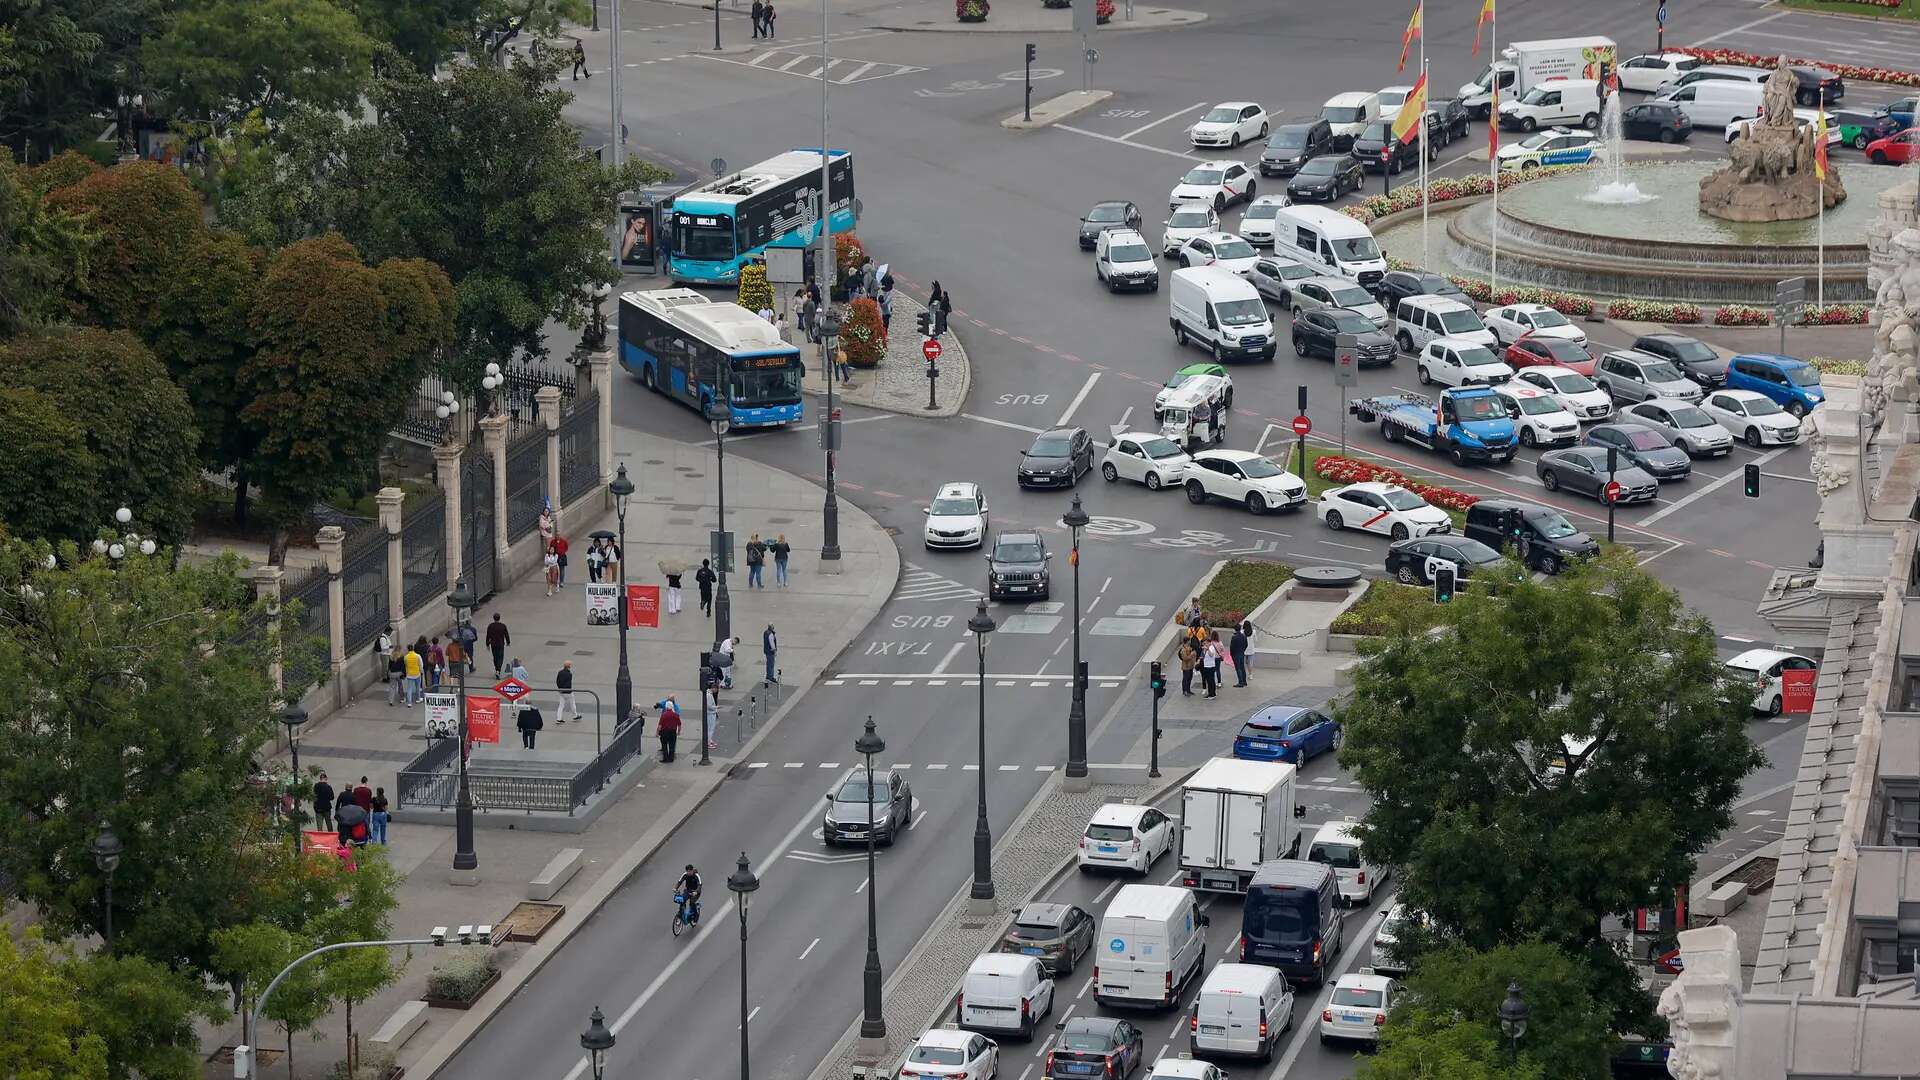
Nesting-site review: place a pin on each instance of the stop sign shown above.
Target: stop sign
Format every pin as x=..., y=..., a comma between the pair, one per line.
x=1302, y=426
x=930, y=348
x=1613, y=490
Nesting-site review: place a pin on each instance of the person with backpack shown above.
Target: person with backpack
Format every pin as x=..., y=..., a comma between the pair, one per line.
x=579, y=60
x=669, y=729
x=756, y=562
x=530, y=723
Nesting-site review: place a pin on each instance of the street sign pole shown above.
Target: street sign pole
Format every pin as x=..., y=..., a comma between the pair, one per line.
x=1085, y=18
x=1789, y=297
x=1301, y=427
x=1613, y=465
x=1346, y=361
x=1029, y=107
x=1660, y=31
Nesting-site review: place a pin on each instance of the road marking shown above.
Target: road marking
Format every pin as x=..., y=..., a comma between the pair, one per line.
x=1104, y=584
x=788, y=66
x=1084, y=987
x=1349, y=547
x=1004, y=423
x=1123, y=142
x=1682, y=503
x=1009, y=768
x=861, y=889
x=1085, y=389
x=918, y=819
x=857, y=72
x=750, y=1015
x=809, y=949
x=1164, y=119
x=1122, y=425
x=794, y=765
x=936, y=768
x=759, y=764
x=1101, y=896
x=829, y=764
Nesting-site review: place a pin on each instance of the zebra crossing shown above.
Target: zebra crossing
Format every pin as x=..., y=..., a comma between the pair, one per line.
x=888, y=678
x=923, y=585
x=841, y=70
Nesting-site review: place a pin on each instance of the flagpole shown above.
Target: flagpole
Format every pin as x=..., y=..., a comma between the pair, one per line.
x=1493, y=159
x=1426, y=150
x=1820, y=288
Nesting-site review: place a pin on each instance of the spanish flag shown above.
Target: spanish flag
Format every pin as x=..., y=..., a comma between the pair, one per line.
x=1413, y=31
x=1486, y=16
x=1411, y=112
x=1820, y=147
x=1493, y=123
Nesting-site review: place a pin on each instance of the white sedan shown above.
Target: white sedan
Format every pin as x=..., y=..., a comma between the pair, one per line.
x=1146, y=458
x=1229, y=124
x=1222, y=249
x=1648, y=72
x=1753, y=416
x=1387, y=509
x=1215, y=184
x=1690, y=428
x=947, y=1053
x=1391, y=98
x=1358, y=1007
x=1805, y=120
x=1515, y=321
x=1184, y=224
x=1576, y=393
x=1244, y=477
x=1257, y=223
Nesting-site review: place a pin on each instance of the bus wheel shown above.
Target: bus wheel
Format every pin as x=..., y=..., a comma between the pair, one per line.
x=653, y=383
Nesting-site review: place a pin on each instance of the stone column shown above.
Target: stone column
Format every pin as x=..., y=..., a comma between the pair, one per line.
x=266, y=585
x=446, y=469
x=546, y=401
x=390, y=500
x=332, y=539
x=493, y=435
x=600, y=365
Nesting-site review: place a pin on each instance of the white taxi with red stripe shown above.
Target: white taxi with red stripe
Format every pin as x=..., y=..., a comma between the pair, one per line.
x=1358, y=1008
x=1387, y=509
x=947, y=1053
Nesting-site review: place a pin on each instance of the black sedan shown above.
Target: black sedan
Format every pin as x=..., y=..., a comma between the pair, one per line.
x=1644, y=447
x=1112, y=214
x=1316, y=331
x=1409, y=561
x=1059, y=934
x=1056, y=459
x=1397, y=285
x=1656, y=121
x=1862, y=126
x=1095, y=1048
x=1583, y=469
x=1325, y=179
x=1450, y=114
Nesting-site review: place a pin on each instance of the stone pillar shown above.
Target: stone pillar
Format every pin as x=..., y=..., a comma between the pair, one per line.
x=446, y=470
x=266, y=585
x=493, y=435
x=390, y=501
x=1702, y=1006
x=332, y=539
x=600, y=365
x=546, y=402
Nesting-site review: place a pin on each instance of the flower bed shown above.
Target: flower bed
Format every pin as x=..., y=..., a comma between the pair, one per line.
x=1564, y=303
x=1446, y=189
x=1828, y=365
x=1891, y=76
x=1742, y=315
x=1834, y=315
x=863, y=337
x=1653, y=311
x=971, y=10
x=1346, y=470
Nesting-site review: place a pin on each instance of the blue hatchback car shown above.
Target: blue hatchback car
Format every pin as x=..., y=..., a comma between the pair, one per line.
x=1793, y=384
x=1286, y=733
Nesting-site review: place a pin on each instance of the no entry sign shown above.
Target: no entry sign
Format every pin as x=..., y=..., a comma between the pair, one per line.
x=930, y=349
x=1613, y=490
x=1302, y=426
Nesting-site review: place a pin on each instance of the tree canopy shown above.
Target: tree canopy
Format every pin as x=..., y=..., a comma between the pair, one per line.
x=217, y=61
x=43, y=251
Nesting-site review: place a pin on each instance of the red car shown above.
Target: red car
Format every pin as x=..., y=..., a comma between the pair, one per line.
x=1533, y=351
x=1896, y=149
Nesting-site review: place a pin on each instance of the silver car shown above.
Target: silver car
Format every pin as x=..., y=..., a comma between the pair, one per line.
x=1275, y=277
x=1628, y=377
x=852, y=808
x=1337, y=292
x=1690, y=429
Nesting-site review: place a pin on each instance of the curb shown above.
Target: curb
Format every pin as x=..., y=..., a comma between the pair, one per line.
x=1054, y=110
x=966, y=377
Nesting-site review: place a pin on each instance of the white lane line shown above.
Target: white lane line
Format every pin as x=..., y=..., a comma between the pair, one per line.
x=1104, y=584
x=941, y=668
x=1262, y=440
x=1164, y=119
x=1024, y=1073
x=1122, y=425
x=809, y=948
x=1084, y=987
x=1682, y=503
x=750, y=1015
x=1003, y=768
x=861, y=889
x=1156, y=1058
x=1353, y=950
x=1073, y=405
x=1743, y=26
x=758, y=764
x=1004, y=423
x=1101, y=896
x=1123, y=142
x=918, y=818
x=856, y=73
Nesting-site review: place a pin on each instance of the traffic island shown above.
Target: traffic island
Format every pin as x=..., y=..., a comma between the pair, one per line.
x=1054, y=110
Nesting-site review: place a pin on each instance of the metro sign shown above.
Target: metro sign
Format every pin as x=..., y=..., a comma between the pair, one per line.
x=512, y=689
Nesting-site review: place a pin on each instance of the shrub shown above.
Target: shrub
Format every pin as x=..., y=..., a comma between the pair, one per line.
x=847, y=249
x=1834, y=315
x=1828, y=365
x=1447, y=189
x=755, y=292
x=374, y=1065
x=1241, y=586
x=1742, y=315
x=1103, y=11
x=1345, y=470
x=1056, y=3
x=1386, y=606
x=461, y=976
x=971, y=10
x=864, y=334
x=1653, y=311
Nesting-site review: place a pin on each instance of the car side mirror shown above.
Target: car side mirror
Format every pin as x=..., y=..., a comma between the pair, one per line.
x=926, y=509
x=1205, y=919
x=1049, y=556
x=830, y=798
x=1299, y=811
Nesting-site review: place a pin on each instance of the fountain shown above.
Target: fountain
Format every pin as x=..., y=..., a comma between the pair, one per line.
x=1610, y=184
x=1772, y=175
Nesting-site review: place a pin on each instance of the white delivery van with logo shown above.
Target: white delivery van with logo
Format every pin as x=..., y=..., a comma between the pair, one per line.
x=1153, y=939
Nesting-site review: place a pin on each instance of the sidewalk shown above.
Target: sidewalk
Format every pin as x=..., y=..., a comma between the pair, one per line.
x=899, y=383
x=670, y=516
x=937, y=16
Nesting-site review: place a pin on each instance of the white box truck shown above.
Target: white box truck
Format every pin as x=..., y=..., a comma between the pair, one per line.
x=1525, y=64
x=1235, y=815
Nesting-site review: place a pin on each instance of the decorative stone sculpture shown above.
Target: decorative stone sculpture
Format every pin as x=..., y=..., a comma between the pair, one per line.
x=1770, y=176
x=1702, y=1006
x=1830, y=474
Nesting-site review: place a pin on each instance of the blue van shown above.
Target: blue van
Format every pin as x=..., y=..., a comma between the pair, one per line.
x=1793, y=384
x=1292, y=919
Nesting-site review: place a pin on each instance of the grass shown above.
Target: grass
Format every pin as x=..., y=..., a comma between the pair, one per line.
x=1386, y=605
x=1241, y=586
x=1317, y=484
x=1908, y=9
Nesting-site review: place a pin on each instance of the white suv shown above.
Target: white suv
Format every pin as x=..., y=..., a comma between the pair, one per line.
x=1541, y=418
x=958, y=517
x=1452, y=361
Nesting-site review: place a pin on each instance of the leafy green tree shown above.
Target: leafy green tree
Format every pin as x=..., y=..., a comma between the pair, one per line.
x=497, y=20
x=258, y=952
x=146, y=216
x=42, y=251
x=46, y=1033
x=217, y=61
x=425, y=32
x=137, y=432
x=1460, y=1052
x=62, y=63
x=1552, y=755
x=339, y=347
x=44, y=443
x=370, y=894
x=146, y=1014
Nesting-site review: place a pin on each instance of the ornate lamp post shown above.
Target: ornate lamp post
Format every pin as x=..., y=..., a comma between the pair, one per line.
x=294, y=717
x=829, y=341
x=742, y=883
x=873, y=1021
x=465, y=860
x=621, y=489
x=1076, y=520
x=596, y=1041
x=107, y=849
x=982, y=624
x=720, y=419
x=1513, y=1018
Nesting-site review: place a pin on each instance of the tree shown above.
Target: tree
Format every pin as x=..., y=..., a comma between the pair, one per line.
x=425, y=32
x=353, y=976
x=218, y=61
x=340, y=346
x=1451, y=1010
x=62, y=63
x=43, y=250
x=146, y=216
x=498, y=21
x=1552, y=755
x=46, y=1031
x=146, y=1014
x=259, y=951
x=754, y=293
x=138, y=437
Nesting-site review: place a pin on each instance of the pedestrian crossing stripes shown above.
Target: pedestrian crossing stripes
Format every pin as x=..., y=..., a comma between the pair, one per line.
x=841, y=70
x=922, y=584
x=882, y=678
x=908, y=766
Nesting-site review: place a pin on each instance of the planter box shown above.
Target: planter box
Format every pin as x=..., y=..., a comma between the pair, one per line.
x=1341, y=643
x=529, y=919
x=448, y=1003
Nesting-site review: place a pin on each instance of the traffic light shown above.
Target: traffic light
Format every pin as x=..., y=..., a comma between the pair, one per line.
x=1032, y=52
x=1156, y=680
x=709, y=675
x=1753, y=480
x=1443, y=583
x=924, y=321
x=940, y=319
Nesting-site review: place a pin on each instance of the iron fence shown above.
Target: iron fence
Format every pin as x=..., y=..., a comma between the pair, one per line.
x=625, y=744
x=363, y=580
x=526, y=481
x=419, y=423
x=580, y=449
x=516, y=396
x=429, y=779
x=309, y=616
x=515, y=791
x=477, y=532
x=423, y=552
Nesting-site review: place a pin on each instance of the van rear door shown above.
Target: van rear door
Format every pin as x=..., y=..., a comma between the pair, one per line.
x=1201, y=821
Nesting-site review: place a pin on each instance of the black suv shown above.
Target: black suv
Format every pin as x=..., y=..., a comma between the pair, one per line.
x=1660, y=121
x=1695, y=358
x=1817, y=86
x=1017, y=566
x=1397, y=285
x=1316, y=332
x=1451, y=114
x=1538, y=536
x=1376, y=148
x=1291, y=145
x=1056, y=459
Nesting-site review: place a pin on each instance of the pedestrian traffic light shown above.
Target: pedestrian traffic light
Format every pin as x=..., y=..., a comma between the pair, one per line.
x=940, y=318
x=1156, y=680
x=1032, y=52
x=924, y=321
x=1443, y=583
x=1753, y=480
x=709, y=675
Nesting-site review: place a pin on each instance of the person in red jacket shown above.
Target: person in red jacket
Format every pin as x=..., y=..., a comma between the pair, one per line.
x=669, y=728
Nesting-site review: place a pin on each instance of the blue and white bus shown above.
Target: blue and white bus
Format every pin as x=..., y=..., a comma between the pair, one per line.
x=726, y=223
x=682, y=344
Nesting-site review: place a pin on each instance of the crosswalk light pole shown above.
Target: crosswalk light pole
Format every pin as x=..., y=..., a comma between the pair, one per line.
x=1613, y=465
x=1157, y=683
x=982, y=624
x=1075, y=520
x=830, y=508
x=1031, y=52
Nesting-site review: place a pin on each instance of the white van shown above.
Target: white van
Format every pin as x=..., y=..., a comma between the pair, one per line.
x=1556, y=101
x=1242, y=1009
x=1349, y=114
x=1221, y=311
x=1153, y=939
x=1421, y=318
x=1716, y=102
x=1329, y=241
x=1338, y=845
x=1004, y=992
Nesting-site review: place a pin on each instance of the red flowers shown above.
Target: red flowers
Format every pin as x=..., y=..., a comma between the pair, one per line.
x=1653, y=311
x=1346, y=470
x=1835, y=315
x=1742, y=315
x=1892, y=76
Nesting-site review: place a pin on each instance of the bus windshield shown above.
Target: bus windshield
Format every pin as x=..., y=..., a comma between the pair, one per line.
x=703, y=242
x=766, y=386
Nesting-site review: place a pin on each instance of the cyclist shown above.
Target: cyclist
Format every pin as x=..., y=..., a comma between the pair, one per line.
x=689, y=888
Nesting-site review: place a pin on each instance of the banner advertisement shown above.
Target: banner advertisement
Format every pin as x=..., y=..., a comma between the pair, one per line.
x=643, y=607
x=483, y=719
x=443, y=716
x=1796, y=689
x=603, y=604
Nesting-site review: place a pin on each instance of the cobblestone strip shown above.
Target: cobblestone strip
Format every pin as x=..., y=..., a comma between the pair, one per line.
x=922, y=987
x=899, y=383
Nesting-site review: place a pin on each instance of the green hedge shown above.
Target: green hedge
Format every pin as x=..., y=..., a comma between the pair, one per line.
x=461, y=976
x=1387, y=605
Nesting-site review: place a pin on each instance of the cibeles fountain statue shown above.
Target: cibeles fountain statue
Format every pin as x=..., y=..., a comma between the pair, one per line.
x=1771, y=175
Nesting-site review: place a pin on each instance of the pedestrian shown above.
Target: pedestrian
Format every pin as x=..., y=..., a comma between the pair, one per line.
x=380, y=815
x=579, y=60
x=770, y=644
x=550, y=563
x=1193, y=613
x=1188, y=659
x=1246, y=630
x=1210, y=666
x=436, y=664
x=766, y=312
x=519, y=671
x=563, y=681
x=415, y=664
x=756, y=562
x=759, y=14
x=937, y=297
x=456, y=653
x=673, y=592
x=781, y=550
x=703, y=577
x=351, y=820
x=341, y=802
x=383, y=645
x=1237, y=649
x=768, y=19
x=546, y=523
x=669, y=729
x=610, y=555
x=803, y=308
x=363, y=795
x=712, y=717
x=497, y=641
x=322, y=803
x=530, y=723
x=595, y=559
x=886, y=311
x=560, y=547
x=725, y=663
x=396, y=674
x=869, y=278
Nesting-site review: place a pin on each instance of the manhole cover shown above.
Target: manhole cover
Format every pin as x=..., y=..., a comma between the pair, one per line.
x=891, y=530
x=779, y=521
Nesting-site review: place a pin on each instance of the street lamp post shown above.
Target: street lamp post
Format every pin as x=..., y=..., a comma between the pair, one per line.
x=982, y=624
x=107, y=849
x=465, y=860
x=873, y=1021
x=294, y=717
x=596, y=1041
x=1513, y=1018
x=830, y=430
x=742, y=882
x=622, y=490
x=720, y=419
x=1076, y=520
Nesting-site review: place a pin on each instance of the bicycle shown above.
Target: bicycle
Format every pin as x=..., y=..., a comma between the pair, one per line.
x=686, y=914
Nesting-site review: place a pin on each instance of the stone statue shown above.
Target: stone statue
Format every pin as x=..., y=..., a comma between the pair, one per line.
x=1893, y=373
x=1829, y=475
x=1771, y=174
x=1702, y=1006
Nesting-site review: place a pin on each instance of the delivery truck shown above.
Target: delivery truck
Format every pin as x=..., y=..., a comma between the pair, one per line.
x=1235, y=815
x=1524, y=65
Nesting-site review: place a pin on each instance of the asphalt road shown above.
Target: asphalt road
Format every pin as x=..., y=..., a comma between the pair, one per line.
x=950, y=195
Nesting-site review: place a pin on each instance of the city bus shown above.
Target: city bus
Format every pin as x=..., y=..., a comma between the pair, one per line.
x=682, y=344
x=728, y=222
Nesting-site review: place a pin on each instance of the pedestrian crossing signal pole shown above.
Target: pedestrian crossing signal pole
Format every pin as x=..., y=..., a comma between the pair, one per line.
x=1613, y=465
x=1444, y=581
x=1031, y=53
x=1157, y=682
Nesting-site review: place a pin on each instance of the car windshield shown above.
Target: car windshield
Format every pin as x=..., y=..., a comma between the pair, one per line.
x=1109, y=833
x=1233, y=249
x=1691, y=352
x=1321, y=166
x=1289, y=138
x=1660, y=372
x=1350, y=322
x=1539, y=406
x=1392, y=97
x=1293, y=271
x=1573, y=383
x=1357, y=997
x=1241, y=312
x=1084, y=1040
x=1349, y=296
x=1479, y=408
x=1261, y=211
x=1690, y=418
x=1402, y=499
x=1106, y=212
x=855, y=790
x=1189, y=219
x=1345, y=856
x=1017, y=552
x=1205, y=174
x=1221, y=114
x=1760, y=406
x=1646, y=440
x=938, y=1055
x=1476, y=356
x=1052, y=446
x=1343, y=114
x=1560, y=349
x=1535, y=142
x=1551, y=525
x=1434, y=284
x=1377, y=131
x=1355, y=248
x=1803, y=375
x=1460, y=322
x=1547, y=317
x=1126, y=253
x=1537, y=95
x=1260, y=469
x=955, y=507
x=1033, y=932
x=1159, y=448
